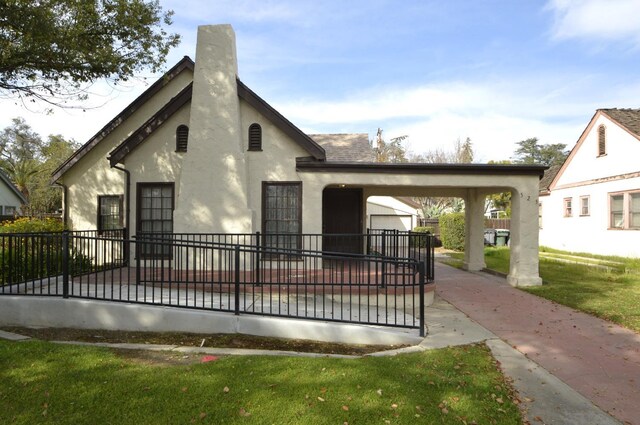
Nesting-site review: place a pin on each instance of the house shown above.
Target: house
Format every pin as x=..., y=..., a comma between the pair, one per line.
x=200, y=152
x=389, y=212
x=592, y=202
x=11, y=199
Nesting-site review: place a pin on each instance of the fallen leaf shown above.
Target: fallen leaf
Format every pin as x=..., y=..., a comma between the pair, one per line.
x=445, y=410
x=320, y=399
x=345, y=408
x=244, y=412
x=323, y=390
x=184, y=389
x=225, y=389
x=379, y=392
x=394, y=406
x=203, y=415
x=499, y=400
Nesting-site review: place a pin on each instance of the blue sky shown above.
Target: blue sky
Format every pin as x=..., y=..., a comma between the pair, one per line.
x=497, y=71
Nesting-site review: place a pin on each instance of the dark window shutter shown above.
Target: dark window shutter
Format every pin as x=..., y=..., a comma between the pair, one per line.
x=602, y=141
x=255, y=137
x=182, y=138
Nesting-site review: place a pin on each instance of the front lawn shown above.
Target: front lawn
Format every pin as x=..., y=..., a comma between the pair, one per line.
x=607, y=287
x=41, y=382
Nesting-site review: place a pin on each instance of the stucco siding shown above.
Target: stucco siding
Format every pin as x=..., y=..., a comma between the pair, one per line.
x=276, y=161
x=587, y=233
x=8, y=198
x=92, y=175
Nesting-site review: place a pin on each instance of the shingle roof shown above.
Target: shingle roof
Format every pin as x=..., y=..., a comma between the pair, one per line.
x=345, y=147
x=548, y=177
x=628, y=118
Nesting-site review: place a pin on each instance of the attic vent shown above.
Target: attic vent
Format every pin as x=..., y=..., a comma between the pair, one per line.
x=602, y=141
x=182, y=138
x=255, y=137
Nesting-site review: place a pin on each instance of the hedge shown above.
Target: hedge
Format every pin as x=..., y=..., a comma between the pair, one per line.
x=452, y=231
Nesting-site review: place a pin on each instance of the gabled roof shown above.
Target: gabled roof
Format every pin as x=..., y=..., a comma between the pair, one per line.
x=629, y=119
x=145, y=130
x=185, y=63
x=346, y=147
x=245, y=93
x=13, y=187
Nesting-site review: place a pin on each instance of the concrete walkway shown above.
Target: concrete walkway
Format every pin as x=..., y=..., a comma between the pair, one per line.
x=599, y=360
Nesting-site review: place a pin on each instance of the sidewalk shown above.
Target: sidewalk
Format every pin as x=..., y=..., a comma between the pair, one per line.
x=598, y=359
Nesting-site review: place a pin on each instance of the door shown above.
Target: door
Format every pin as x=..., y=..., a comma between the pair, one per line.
x=342, y=217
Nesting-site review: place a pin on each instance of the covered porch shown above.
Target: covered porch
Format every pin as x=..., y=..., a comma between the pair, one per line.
x=342, y=190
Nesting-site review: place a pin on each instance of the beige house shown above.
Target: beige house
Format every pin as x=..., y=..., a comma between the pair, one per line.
x=200, y=152
x=592, y=202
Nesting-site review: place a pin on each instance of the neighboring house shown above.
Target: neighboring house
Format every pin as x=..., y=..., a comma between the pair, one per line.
x=200, y=152
x=11, y=199
x=392, y=213
x=592, y=202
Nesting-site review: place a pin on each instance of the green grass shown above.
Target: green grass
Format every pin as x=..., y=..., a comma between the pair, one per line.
x=41, y=382
x=610, y=290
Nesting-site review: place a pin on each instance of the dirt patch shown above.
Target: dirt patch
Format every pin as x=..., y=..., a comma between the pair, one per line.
x=198, y=340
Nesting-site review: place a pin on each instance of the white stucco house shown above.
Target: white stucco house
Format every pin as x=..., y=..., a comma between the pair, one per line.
x=592, y=202
x=200, y=152
x=11, y=199
x=392, y=213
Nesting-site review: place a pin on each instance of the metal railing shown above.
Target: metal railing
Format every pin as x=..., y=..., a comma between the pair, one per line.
x=233, y=273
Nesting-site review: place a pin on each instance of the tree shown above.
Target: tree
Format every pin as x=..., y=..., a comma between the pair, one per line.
x=29, y=162
x=45, y=198
x=50, y=50
x=391, y=151
x=530, y=152
x=19, y=153
x=433, y=207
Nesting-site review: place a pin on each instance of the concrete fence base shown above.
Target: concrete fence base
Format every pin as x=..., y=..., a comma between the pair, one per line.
x=34, y=311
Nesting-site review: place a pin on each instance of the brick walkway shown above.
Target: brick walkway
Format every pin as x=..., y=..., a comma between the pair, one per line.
x=598, y=359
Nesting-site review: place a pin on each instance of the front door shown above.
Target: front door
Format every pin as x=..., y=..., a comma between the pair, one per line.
x=342, y=217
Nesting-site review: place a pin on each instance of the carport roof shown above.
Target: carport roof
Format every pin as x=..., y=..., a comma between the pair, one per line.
x=305, y=164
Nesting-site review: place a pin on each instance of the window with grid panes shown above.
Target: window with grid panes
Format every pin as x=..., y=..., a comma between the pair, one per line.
x=281, y=215
x=109, y=212
x=155, y=217
x=634, y=210
x=616, y=203
x=584, y=205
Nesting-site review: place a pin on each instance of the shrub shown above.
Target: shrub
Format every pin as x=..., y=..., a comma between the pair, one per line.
x=452, y=231
x=417, y=241
x=31, y=225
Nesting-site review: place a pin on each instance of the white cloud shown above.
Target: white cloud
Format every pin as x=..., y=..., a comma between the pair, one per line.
x=596, y=19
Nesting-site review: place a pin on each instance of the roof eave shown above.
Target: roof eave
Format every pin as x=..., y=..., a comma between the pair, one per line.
x=184, y=63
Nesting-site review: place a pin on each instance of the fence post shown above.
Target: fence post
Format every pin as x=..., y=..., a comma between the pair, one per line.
x=383, y=248
x=139, y=249
x=258, y=281
x=237, y=280
x=421, y=267
x=10, y=252
x=65, y=264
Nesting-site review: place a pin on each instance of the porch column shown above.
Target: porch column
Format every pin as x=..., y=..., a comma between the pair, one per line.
x=474, y=230
x=523, y=269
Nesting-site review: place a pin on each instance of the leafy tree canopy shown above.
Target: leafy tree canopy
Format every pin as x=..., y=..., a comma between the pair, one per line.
x=531, y=152
x=29, y=161
x=51, y=49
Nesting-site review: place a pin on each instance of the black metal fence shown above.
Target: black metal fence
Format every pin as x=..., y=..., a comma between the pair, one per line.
x=239, y=273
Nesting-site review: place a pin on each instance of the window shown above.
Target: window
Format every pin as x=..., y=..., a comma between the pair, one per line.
x=282, y=214
x=182, y=138
x=109, y=212
x=255, y=137
x=8, y=210
x=584, y=206
x=567, y=207
x=155, y=217
x=634, y=210
x=617, y=211
x=602, y=141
